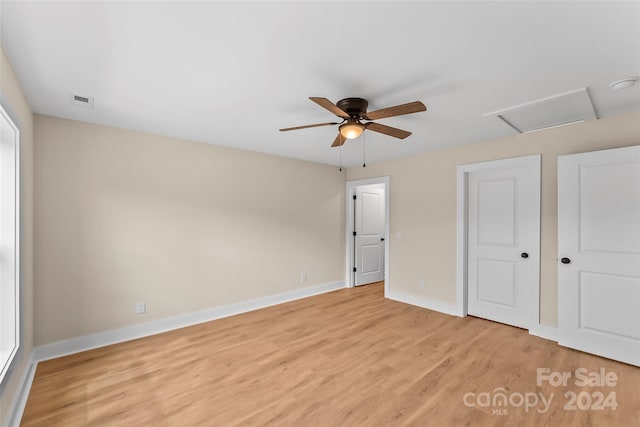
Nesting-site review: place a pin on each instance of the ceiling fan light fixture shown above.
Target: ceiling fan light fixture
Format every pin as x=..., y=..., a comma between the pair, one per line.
x=352, y=129
x=353, y=110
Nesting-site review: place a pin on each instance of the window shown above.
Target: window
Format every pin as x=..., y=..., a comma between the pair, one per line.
x=9, y=242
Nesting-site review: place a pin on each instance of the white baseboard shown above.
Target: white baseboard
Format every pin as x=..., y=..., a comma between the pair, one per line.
x=542, y=331
x=20, y=399
x=101, y=339
x=419, y=301
x=546, y=332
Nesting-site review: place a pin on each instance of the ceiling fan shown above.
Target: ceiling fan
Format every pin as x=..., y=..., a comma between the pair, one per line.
x=353, y=111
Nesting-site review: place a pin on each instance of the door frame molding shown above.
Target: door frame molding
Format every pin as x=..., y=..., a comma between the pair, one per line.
x=463, y=172
x=350, y=188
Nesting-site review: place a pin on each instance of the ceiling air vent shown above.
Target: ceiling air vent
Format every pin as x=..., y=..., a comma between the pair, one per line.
x=82, y=101
x=558, y=110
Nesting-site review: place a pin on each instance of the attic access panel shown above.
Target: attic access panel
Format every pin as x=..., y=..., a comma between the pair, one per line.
x=557, y=110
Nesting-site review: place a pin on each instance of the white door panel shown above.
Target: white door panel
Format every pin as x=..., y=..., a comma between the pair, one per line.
x=370, y=259
x=371, y=212
x=603, y=294
x=503, y=222
x=496, y=280
x=496, y=212
x=599, y=237
x=609, y=208
x=369, y=227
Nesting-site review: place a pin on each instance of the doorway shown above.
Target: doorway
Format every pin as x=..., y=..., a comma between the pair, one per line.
x=499, y=240
x=367, y=230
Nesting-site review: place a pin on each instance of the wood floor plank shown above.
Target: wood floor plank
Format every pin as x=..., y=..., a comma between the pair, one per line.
x=349, y=357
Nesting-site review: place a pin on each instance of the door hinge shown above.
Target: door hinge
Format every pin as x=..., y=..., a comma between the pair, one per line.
x=354, y=233
x=354, y=197
x=354, y=269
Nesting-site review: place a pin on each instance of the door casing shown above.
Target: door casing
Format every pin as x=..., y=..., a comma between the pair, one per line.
x=349, y=260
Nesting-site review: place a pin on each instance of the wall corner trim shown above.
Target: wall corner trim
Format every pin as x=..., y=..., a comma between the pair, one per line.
x=543, y=331
x=423, y=302
x=115, y=336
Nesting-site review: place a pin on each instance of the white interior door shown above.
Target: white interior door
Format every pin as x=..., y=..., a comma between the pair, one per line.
x=504, y=240
x=599, y=250
x=369, y=238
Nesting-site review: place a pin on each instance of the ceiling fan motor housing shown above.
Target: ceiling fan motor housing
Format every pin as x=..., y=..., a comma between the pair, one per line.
x=354, y=107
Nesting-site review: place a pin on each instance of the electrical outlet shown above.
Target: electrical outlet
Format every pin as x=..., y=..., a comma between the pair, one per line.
x=141, y=308
x=303, y=277
x=422, y=284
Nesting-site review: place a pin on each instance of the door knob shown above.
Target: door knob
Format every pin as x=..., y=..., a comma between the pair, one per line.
x=565, y=261
x=524, y=255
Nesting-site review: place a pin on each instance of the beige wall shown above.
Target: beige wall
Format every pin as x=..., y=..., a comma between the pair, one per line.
x=423, y=202
x=15, y=104
x=123, y=216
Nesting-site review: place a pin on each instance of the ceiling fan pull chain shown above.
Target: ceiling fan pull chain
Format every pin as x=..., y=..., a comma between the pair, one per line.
x=364, y=150
x=340, y=149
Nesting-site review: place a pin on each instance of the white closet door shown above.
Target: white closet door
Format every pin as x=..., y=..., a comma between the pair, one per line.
x=599, y=253
x=503, y=240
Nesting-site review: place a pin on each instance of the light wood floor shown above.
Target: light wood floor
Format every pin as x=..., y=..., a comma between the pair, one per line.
x=344, y=358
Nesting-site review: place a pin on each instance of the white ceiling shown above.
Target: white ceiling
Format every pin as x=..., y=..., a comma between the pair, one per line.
x=232, y=73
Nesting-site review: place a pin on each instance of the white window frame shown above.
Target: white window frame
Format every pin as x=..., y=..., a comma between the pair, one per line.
x=10, y=247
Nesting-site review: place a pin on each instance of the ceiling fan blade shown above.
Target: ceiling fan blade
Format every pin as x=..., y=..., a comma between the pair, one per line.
x=328, y=105
x=398, y=110
x=339, y=140
x=388, y=130
x=309, y=126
